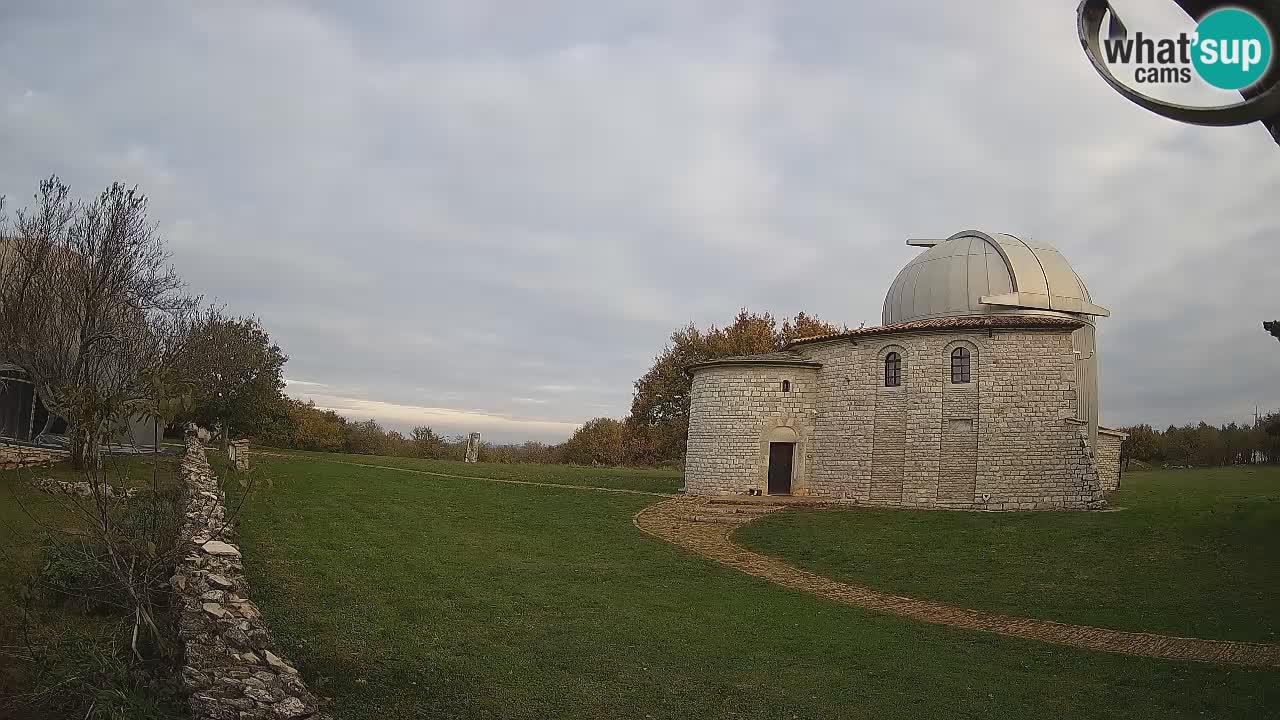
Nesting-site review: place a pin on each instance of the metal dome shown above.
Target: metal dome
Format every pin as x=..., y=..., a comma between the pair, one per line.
x=978, y=273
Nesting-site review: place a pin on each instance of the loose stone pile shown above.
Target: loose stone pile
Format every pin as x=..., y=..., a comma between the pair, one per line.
x=81, y=488
x=231, y=670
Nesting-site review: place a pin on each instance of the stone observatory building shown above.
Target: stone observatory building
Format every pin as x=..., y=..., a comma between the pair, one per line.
x=978, y=391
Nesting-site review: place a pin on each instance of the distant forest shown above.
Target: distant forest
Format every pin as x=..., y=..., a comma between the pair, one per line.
x=1204, y=445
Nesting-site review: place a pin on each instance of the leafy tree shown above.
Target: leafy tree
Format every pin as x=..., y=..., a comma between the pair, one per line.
x=1269, y=436
x=1142, y=444
x=427, y=444
x=600, y=441
x=1272, y=327
x=304, y=426
x=804, y=325
x=238, y=371
x=364, y=438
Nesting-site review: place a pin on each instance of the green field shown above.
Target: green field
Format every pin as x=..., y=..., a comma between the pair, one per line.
x=407, y=595
x=660, y=481
x=1193, y=553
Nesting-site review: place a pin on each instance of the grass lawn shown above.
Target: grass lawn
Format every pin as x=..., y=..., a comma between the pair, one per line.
x=28, y=519
x=1193, y=553
x=411, y=596
x=662, y=481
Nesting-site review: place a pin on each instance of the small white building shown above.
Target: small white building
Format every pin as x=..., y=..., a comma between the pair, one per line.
x=979, y=391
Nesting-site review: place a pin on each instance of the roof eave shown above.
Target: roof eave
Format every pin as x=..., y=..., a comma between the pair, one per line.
x=960, y=323
x=809, y=364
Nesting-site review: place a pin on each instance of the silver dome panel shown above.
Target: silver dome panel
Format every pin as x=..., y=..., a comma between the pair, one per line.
x=978, y=273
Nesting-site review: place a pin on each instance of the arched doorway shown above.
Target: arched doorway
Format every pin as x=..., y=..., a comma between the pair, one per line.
x=782, y=443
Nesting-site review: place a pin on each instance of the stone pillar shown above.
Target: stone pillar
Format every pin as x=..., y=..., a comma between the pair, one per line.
x=473, y=447
x=238, y=454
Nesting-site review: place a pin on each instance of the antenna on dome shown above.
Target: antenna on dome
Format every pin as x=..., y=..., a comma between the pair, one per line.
x=923, y=242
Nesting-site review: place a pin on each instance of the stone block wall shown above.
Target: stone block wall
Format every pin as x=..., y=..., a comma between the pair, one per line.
x=1007, y=440
x=13, y=457
x=1033, y=455
x=238, y=454
x=231, y=668
x=889, y=447
x=733, y=411
x=1108, y=458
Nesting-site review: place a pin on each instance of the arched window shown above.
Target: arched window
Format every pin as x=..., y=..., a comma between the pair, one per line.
x=786, y=386
x=892, y=370
x=960, y=365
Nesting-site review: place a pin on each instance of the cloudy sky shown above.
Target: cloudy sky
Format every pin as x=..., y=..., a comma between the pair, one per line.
x=490, y=216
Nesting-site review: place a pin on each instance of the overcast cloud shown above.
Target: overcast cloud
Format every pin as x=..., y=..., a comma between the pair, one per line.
x=490, y=216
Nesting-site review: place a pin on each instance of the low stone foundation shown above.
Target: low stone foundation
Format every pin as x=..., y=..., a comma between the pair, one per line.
x=20, y=457
x=230, y=669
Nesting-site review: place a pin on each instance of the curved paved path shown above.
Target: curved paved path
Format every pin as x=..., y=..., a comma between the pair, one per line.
x=673, y=521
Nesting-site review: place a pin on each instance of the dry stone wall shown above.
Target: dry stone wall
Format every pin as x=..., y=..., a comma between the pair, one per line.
x=12, y=457
x=81, y=488
x=231, y=667
x=1007, y=440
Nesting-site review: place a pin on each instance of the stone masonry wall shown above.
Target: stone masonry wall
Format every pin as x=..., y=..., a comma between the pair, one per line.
x=733, y=409
x=1034, y=453
x=12, y=457
x=1108, y=456
x=1008, y=440
x=230, y=669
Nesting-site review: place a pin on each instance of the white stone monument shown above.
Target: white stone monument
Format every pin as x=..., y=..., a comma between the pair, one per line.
x=473, y=447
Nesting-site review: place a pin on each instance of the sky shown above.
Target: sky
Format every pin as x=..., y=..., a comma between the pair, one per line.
x=491, y=216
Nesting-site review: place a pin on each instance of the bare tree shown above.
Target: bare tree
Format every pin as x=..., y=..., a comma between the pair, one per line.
x=93, y=313
x=91, y=309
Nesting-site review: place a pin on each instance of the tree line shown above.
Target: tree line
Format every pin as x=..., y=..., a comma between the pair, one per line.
x=1205, y=445
x=300, y=425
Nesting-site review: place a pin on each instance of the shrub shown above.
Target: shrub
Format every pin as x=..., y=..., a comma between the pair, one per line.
x=96, y=677
x=73, y=572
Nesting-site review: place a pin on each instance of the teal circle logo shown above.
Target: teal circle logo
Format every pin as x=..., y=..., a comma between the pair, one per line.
x=1232, y=49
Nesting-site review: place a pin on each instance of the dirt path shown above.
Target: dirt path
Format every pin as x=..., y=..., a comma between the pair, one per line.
x=674, y=521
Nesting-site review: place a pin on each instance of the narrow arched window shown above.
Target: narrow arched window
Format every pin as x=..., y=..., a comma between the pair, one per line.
x=960, y=365
x=786, y=386
x=892, y=370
